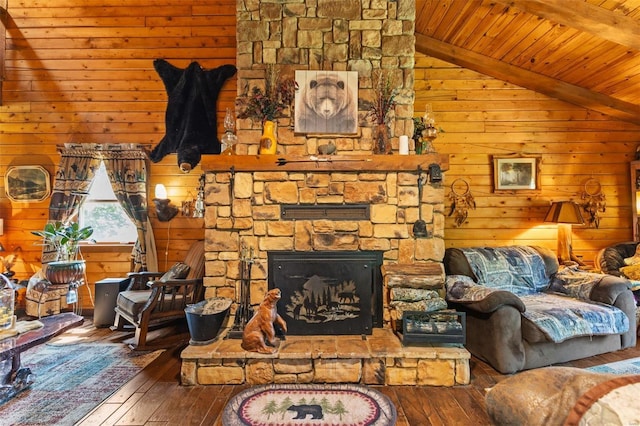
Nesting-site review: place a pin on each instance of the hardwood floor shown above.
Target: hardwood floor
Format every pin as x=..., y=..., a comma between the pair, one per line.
x=155, y=397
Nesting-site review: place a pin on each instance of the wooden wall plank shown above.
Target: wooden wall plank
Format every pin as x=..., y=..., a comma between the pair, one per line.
x=85, y=74
x=485, y=118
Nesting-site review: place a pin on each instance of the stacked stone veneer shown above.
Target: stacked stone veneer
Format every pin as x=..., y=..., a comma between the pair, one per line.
x=366, y=36
x=250, y=217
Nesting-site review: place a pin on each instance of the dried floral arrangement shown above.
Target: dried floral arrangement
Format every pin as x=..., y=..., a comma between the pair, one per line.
x=418, y=126
x=384, y=101
x=270, y=104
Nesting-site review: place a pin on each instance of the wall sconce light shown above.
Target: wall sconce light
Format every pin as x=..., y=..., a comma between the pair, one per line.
x=164, y=209
x=565, y=213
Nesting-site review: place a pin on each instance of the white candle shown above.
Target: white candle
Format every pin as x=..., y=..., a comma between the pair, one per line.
x=404, y=145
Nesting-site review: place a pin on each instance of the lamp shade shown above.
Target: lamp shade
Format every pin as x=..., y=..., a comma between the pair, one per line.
x=161, y=192
x=564, y=212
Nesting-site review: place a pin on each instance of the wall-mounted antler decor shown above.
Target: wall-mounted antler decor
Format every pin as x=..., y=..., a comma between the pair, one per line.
x=594, y=201
x=461, y=201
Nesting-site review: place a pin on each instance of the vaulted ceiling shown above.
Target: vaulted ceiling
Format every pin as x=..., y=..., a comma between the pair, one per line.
x=586, y=52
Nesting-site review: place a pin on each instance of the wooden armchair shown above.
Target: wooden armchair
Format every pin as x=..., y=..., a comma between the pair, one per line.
x=150, y=301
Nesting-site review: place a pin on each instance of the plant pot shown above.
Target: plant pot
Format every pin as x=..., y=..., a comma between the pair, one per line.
x=205, y=319
x=63, y=273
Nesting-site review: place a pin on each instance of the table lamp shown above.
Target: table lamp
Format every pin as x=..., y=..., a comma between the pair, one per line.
x=565, y=213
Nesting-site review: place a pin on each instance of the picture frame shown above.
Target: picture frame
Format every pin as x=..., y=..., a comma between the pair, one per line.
x=326, y=102
x=516, y=173
x=27, y=184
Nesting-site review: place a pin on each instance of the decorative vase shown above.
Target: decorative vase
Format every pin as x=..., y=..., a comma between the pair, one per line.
x=268, y=140
x=381, y=140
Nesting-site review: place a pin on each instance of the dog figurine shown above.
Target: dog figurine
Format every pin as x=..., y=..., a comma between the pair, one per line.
x=259, y=334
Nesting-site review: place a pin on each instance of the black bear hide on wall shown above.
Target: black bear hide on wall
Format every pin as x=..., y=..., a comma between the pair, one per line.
x=190, y=118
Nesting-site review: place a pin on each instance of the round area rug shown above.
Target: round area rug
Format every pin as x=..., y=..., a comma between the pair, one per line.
x=309, y=405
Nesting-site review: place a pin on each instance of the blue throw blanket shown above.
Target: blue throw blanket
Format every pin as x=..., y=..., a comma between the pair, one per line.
x=561, y=318
x=518, y=269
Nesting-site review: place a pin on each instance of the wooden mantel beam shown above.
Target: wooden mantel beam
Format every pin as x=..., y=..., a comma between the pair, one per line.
x=530, y=80
x=331, y=163
x=586, y=17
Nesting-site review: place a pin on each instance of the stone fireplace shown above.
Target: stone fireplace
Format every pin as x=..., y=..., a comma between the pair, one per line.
x=245, y=196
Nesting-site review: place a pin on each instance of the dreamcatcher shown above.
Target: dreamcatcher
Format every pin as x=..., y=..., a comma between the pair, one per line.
x=594, y=201
x=461, y=201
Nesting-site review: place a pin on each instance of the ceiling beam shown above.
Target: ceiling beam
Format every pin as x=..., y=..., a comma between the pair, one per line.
x=585, y=17
x=549, y=86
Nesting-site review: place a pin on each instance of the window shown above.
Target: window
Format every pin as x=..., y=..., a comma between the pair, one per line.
x=102, y=210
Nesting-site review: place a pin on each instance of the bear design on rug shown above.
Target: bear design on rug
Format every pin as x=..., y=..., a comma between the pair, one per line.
x=190, y=117
x=327, y=105
x=260, y=330
x=302, y=411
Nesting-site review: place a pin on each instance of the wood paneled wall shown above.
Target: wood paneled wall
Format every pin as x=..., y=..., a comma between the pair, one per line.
x=480, y=117
x=84, y=73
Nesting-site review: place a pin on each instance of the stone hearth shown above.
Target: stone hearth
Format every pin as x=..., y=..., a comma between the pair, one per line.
x=378, y=359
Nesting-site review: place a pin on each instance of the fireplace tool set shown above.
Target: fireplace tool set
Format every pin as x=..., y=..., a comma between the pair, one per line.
x=243, y=311
x=420, y=227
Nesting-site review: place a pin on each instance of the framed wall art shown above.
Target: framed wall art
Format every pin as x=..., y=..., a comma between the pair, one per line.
x=516, y=173
x=326, y=102
x=27, y=184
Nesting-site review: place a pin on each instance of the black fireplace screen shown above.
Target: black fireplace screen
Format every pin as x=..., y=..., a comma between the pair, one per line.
x=337, y=292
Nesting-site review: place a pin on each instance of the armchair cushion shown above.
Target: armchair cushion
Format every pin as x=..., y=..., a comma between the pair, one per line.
x=178, y=271
x=133, y=302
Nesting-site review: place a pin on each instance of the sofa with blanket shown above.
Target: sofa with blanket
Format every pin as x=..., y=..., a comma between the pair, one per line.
x=523, y=311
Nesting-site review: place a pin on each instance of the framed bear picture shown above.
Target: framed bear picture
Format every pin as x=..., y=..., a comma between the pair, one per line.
x=326, y=102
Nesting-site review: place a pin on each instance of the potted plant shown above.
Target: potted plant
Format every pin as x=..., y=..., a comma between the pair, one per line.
x=65, y=238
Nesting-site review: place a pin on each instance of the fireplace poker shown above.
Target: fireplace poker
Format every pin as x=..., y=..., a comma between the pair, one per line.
x=420, y=227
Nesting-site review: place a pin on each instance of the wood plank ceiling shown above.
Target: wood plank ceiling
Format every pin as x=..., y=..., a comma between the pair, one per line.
x=586, y=52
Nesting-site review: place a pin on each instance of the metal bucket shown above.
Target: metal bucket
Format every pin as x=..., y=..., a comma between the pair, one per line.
x=205, y=319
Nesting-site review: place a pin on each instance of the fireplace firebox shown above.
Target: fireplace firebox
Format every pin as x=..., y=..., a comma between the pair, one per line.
x=328, y=293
